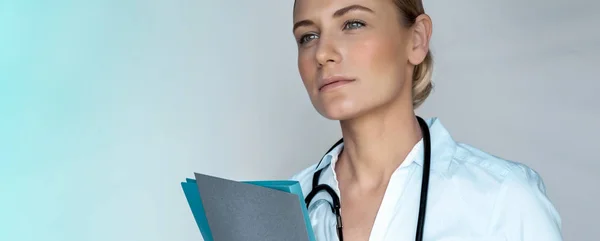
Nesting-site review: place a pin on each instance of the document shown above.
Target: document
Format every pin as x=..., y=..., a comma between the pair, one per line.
x=227, y=210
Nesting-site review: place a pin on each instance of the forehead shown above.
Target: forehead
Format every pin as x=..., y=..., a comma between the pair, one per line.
x=306, y=9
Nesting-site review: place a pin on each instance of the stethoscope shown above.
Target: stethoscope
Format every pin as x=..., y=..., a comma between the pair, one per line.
x=316, y=187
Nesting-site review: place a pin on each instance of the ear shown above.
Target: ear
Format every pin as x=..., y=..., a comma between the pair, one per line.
x=420, y=35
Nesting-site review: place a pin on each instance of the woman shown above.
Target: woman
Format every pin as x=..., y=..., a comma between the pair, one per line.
x=367, y=64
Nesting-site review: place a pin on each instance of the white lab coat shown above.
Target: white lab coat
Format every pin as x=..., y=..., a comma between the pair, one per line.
x=472, y=196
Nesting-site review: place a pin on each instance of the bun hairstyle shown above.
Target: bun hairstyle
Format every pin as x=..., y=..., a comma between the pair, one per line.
x=422, y=86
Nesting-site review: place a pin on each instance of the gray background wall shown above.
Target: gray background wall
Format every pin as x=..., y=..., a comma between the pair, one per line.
x=107, y=105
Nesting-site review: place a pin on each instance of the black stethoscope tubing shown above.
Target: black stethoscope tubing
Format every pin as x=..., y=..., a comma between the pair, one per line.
x=336, y=207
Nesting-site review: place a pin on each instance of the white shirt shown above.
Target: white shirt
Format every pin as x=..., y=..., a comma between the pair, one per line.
x=472, y=196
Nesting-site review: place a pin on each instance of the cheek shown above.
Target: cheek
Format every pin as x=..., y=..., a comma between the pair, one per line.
x=307, y=69
x=379, y=62
x=381, y=55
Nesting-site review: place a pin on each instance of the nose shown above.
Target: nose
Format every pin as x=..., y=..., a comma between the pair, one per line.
x=327, y=51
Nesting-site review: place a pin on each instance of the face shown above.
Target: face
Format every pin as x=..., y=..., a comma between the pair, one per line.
x=354, y=56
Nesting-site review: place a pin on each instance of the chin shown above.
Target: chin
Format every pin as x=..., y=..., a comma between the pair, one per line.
x=342, y=110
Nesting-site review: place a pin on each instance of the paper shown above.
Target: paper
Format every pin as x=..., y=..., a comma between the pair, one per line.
x=248, y=211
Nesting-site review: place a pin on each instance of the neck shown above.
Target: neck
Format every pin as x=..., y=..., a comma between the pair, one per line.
x=375, y=145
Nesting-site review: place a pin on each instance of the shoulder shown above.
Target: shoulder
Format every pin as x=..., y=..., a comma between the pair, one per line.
x=498, y=174
x=305, y=174
x=305, y=177
x=519, y=205
x=469, y=160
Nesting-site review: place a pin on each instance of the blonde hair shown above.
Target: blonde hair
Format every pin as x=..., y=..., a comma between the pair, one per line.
x=421, y=81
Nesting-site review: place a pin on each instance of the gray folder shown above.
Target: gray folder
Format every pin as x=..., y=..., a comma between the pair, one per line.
x=238, y=211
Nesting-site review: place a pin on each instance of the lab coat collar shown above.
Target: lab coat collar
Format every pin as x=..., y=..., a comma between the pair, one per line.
x=443, y=148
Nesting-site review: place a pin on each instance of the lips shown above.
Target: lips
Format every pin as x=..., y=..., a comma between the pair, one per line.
x=334, y=81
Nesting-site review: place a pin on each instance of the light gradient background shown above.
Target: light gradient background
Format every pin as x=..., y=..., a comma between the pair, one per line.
x=105, y=106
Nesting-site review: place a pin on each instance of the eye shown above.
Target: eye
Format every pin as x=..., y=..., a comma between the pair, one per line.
x=307, y=38
x=354, y=24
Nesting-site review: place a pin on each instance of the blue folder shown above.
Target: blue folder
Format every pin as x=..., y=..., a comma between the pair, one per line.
x=193, y=196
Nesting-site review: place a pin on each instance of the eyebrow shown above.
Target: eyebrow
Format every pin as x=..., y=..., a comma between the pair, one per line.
x=340, y=12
